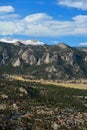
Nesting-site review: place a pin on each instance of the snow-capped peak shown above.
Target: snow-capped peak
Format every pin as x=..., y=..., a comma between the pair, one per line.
x=32, y=42
x=26, y=42
x=8, y=40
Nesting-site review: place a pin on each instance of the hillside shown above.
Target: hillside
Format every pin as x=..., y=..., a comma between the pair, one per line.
x=36, y=106
x=31, y=96
x=52, y=62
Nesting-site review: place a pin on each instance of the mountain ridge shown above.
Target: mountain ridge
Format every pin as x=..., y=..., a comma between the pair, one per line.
x=52, y=62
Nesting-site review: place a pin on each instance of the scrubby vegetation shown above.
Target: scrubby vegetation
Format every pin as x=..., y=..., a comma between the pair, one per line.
x=36, y=106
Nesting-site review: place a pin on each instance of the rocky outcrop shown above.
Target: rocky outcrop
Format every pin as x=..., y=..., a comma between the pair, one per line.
x=46, y=58
x=63, y=46
x=17, y=63
x=33, y=60
x=39, y=62
x=5, y=56
x=69, y=58
x=23, y=90
x=54, y=61
x=51, y=69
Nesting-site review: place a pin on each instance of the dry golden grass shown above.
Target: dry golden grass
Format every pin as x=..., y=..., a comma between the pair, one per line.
x=67, y=84
x=72, y=85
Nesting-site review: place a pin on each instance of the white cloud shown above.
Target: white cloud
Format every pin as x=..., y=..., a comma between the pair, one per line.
x=7, y=13
x=10, y=17
x=41, y=24
x=80, y=4
x=39, y=17
x=7, y=28
x=83, y=43
x=6, y=9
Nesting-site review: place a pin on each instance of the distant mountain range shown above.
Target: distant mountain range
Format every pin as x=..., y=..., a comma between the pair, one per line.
x=41, y=61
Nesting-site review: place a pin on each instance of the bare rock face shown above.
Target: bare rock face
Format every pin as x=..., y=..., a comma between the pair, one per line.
x=17, y=63
x=39, y=62
x=25, y=57
x=63, y=46
x=32, y=60
x=28, y=57
x=46, y=58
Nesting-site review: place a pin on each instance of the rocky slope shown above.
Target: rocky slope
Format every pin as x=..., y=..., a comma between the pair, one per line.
x=43, y=61
x=35, y=106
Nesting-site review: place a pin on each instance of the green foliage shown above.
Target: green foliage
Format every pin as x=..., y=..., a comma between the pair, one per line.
x=42, y=94
x=37, y=95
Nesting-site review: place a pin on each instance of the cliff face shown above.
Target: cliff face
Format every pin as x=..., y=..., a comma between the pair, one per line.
x=43, y=61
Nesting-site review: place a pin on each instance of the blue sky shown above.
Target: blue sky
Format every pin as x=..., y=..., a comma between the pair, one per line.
x=50, y=21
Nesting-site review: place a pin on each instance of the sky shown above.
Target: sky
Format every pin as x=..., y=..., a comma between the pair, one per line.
x=50, y=21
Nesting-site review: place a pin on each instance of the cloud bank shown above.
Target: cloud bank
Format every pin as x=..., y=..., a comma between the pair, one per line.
x=40, y=24
x=79, y=4
x=6, y=9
